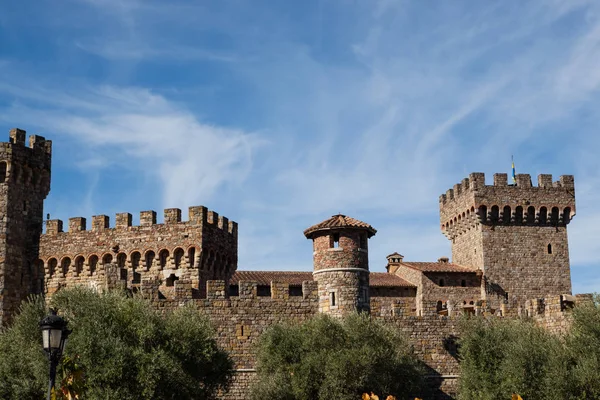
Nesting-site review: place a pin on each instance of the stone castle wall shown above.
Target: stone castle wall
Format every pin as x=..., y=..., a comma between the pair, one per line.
x=24, y=184
x=202, y=248
x=240, y=320
x=516, y=234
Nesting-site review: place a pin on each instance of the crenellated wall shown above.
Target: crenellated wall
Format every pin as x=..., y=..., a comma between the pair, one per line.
x=202, y=248
x=241, y=319
x=515, y=234
x=460, y=206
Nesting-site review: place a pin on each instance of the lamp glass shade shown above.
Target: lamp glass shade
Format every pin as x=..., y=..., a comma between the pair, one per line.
x=51, y=339
x=63, y=344
x=46, y=339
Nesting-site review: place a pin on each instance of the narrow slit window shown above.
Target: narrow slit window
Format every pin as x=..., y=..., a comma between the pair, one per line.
x=549, y=248
x=336, y=240
x=332, y=299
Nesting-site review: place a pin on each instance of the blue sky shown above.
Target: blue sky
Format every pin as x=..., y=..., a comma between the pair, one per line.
x=278, y=114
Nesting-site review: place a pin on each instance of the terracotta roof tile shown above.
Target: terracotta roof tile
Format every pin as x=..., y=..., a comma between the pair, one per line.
x=438, y=267
x=388, y=280
x=379, y=279
x=265, y=277
x=339, y=221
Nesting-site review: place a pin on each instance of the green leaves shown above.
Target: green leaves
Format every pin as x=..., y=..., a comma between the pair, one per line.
x=123, y=349
x=327, y=358
x=503, y=356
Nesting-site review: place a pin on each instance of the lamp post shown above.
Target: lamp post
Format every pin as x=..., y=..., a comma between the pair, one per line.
x=54, y=337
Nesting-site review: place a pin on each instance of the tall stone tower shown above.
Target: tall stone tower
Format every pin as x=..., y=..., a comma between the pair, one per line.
x=24, y=184
x=515, y=234
x=341, y=264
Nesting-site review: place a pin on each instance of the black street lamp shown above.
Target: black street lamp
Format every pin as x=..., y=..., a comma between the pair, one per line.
x=54, y=338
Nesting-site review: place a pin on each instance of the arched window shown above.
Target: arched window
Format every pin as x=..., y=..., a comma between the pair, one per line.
x=79, y=265
x=519, y=215
x=554, y=216
x=122, y=260
x=122, y=264
x=178, y=256
x=2, y=172
x=135, y=265
x=566, y=215
x=442, y=283
x=495, y=214
x=531, y=215
x=549, y=248
x=135, y=259
x=192, y=257
x=52, y=264
x=483, y=214
x=163, y=257
x=506, y=215
x=107, y=258
x=149, y=259
x=64, y=265
x=543, y=215
x=93, y=262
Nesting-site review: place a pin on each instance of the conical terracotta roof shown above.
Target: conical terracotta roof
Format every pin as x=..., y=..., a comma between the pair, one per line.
x=339, y=222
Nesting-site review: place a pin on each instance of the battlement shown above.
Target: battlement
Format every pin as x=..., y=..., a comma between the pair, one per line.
x=472, y=201
x=16, y=137
x=217, y=289
x=198, y=215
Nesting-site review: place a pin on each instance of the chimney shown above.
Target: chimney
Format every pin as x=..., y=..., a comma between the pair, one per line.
x=444, y=260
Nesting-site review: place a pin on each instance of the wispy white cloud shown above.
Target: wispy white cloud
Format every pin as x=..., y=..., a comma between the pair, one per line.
x=373, y=115
x=136, y=129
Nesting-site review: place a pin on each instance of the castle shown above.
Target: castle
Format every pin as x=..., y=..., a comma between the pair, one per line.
x=509, y=256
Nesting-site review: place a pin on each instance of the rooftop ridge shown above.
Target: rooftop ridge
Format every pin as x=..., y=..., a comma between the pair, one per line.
x=339, y=221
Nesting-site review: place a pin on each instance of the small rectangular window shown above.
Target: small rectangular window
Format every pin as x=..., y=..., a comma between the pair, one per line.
x=263, y=291
x=295, y=291
x=336, y=240
x=234, y=290
x=332, y=299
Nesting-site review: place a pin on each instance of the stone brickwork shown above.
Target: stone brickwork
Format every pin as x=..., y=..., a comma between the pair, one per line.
x=515, y=234
x=509, y=249
x=24, y=184
x=202, y=248
x=341, y=264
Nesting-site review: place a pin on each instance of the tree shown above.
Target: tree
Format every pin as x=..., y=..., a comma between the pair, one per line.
x=124, y=347
x=327, y=358
x=500, y=357
x=581, y=363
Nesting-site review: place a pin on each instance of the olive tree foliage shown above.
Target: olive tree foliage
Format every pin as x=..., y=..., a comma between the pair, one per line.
x=499, y=357
x=125, y=348
x=327, y=358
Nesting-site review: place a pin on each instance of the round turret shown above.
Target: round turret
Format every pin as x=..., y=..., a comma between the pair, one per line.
x=341, y=264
